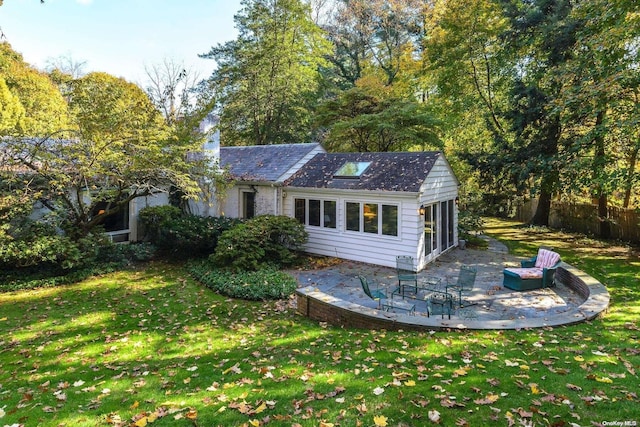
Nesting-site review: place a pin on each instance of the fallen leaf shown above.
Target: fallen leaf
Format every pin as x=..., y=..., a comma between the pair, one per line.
x=434, y=416
x=380, y=421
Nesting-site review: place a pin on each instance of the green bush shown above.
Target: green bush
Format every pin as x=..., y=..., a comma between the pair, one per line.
x=182, y=235
x=262, y=240
x=31, y=244
x=469, y=223
x=265, y=284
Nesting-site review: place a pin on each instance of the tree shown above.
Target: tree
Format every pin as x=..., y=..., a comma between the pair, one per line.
x=45, y=110
x=371, y=117
x=172, y=88
x=600, y=101
x=121, y=151
x=11, y=110
x=266, y=80
x=540, y=39
x=65, y=64
x=373, y=33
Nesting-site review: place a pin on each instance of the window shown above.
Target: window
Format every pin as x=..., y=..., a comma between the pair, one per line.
x=352, y=169
x=116, y=224
x=329, y=214
x=300, y=210
x=374, y=218
x=389, y=220
x=370, y=213
x=316, y=213
x=353, y=216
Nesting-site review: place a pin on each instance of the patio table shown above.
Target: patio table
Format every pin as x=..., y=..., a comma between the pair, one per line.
x=431, y=284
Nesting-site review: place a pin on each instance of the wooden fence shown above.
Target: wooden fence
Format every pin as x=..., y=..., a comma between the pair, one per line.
x=583, y=218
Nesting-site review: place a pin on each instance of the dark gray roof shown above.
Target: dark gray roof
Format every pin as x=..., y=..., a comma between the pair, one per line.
x=387, y=171
x=263, y=162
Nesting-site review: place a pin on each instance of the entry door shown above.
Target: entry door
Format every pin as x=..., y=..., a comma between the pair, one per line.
x=430, y=231
x=248, y=204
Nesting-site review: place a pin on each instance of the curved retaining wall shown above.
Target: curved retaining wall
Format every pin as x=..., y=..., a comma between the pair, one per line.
x=326, y=308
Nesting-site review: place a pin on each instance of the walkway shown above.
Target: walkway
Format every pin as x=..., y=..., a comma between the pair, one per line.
x=494, y=307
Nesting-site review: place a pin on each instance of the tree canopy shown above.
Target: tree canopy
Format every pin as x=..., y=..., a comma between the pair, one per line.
x=266, y=82
x=113, y=146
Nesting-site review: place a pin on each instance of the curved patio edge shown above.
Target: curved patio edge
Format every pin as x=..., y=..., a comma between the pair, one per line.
x=323, y=307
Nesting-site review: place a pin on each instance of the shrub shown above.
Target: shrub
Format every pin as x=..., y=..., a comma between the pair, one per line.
x=31, y=244
x=470, y=225
x=262, y=240
x=265, y=284
x=183, y=235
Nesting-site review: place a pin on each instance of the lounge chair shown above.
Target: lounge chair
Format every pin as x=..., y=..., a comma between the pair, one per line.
x=535, y=273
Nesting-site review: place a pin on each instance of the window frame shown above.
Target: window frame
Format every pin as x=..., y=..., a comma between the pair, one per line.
x=380, y=215
x=322, y=208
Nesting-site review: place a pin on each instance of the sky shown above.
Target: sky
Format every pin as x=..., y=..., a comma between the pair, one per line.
x=119, y=37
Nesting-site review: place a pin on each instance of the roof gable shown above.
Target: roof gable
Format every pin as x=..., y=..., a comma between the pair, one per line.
x=386, y=172
x=269, y=163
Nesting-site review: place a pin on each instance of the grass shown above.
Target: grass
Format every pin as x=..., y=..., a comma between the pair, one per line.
x=151, y=347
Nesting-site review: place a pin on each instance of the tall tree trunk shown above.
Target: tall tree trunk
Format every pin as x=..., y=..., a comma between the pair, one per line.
x=633, y=159
x=541, y=217
x=550, y=179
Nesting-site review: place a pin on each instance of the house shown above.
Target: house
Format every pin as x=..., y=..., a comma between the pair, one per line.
x=365, y=207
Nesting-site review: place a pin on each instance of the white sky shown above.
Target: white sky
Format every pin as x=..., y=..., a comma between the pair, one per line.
x=119, y=37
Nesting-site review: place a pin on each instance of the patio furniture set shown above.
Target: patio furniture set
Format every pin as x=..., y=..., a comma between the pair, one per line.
x=535, y=273
x=412, y=289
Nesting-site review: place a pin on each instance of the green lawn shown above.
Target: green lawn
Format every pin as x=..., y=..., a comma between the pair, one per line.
x=151, y=347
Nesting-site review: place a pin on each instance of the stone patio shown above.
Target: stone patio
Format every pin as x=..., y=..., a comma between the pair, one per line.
x=493, y=306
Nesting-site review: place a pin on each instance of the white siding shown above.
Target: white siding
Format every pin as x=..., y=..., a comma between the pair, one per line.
x=441, y=185
x=357, y=246
x=267, y=201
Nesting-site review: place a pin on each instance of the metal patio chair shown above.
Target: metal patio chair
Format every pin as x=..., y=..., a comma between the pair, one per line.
x=466, y=279
x=405, y=271
x=376, y=294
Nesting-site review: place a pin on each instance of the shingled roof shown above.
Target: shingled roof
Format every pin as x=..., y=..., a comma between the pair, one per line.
x=263, y=162
x=386, y=171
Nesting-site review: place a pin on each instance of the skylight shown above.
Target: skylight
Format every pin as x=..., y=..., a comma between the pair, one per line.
x=352, y=169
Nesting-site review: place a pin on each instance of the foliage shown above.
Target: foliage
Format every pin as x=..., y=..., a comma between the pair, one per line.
x=371, y=117
x=373, y=36
x=265, y=239
x=267, y=283
x=266, y=80
x=152, y=345
x=122, y=151
x=470, y=223
x=29, y=243
x=182, y=235
x=11, y=110
x=45, y=110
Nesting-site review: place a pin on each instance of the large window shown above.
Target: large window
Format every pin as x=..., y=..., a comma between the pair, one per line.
x=446, y=222
x=374, y=218
x=316, y=213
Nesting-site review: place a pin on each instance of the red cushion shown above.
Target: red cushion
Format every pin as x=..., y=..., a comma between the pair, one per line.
x=527, y=273
x=546, y=258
